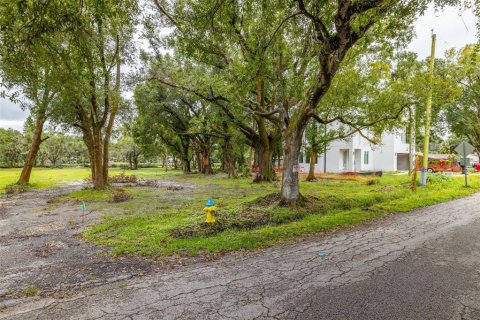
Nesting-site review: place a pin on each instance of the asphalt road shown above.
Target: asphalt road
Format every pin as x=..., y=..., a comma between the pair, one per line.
x=421, y=265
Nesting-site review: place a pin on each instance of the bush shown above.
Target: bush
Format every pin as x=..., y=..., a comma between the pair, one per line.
x=147, y=165
x=257, y=213
x=237, y=219
x=16, y=188
x=438, y=178
x=120, y=195
x=244, y=171
x=123, y=178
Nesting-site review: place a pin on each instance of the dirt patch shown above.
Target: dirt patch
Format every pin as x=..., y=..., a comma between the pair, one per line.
x=155, y=183
x=171, y=185
x=40, y=247
x=39, y=230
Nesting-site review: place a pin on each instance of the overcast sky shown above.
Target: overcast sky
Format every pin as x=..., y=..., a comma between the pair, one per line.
x=454, y=29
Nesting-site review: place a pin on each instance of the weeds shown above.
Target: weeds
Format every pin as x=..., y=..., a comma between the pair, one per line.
x=30, y=291
x=120, y=195
x=123, y=178
x=438, y=178
x=16, y=188
x=371, y=181
x=160, y=222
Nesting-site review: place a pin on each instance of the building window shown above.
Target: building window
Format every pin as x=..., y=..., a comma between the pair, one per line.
x=403, y=136
x=301, y=157
x=365, y=157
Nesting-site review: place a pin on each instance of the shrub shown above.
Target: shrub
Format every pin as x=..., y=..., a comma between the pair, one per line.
x=257, y=213
x=120, y=195
x=16, y=188
x=30, y=291
x=238, y=219
x=244, y=171
x=438, y=178
x=123, y=178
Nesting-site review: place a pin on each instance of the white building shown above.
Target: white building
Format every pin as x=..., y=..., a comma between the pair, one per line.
x=358, y=154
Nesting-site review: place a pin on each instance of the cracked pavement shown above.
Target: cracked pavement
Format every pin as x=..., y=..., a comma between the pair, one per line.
x=420, y=265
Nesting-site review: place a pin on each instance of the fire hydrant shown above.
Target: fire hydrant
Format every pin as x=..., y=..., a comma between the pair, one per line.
x=210, y=209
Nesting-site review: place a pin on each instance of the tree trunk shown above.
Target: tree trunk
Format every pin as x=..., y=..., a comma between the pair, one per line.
x=135, y=162
x=311, y=171
x=89, y=144
x=32, y=153
x=185, y=159
x=199, y=162
x=263, y=162
x=251, y=159
x=292, y=134
x=130, y=162
x=206, y=165
x=92, y=136
x=115, y=104
x=290, y=193
x=240, y=160
x=229, y=165
x=99, y=181
x=175, y=165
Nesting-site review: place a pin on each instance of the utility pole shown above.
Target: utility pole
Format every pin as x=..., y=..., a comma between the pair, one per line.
x=325, y=152
x=428, y=115
x=411, y=144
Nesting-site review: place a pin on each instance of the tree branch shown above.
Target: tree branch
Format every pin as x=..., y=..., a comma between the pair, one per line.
x=169, y=16
x=320, y=27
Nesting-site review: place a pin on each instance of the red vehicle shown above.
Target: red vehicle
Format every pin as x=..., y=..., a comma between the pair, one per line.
x=476, y=167
x=439, y=163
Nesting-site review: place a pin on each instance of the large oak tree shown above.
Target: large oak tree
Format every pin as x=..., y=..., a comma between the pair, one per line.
x=276, y=60
x=87, y=42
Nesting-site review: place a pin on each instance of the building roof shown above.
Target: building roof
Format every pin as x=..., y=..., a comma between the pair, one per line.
x=437, y=156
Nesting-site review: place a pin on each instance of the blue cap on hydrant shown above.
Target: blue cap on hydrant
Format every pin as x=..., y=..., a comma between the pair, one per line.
x=210, y=203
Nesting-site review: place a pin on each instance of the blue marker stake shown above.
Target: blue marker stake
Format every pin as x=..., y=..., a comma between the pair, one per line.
x=322, y=254
x=84, y=207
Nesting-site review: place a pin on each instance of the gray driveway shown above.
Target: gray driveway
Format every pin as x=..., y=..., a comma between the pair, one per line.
x=421, y=265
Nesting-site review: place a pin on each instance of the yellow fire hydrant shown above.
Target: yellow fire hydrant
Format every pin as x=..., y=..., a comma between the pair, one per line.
x=210, y=211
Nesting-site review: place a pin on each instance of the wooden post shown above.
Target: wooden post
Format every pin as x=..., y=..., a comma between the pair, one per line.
x=428, y=115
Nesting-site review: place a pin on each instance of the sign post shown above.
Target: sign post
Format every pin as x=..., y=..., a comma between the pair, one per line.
x=464, y=148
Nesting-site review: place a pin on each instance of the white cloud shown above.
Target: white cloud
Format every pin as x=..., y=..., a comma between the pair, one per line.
x=12, y=124
x=454, y=29
x=11, y=116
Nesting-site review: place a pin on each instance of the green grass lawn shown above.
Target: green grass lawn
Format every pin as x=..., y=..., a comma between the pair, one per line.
x=46, y=177
x=158, y=222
